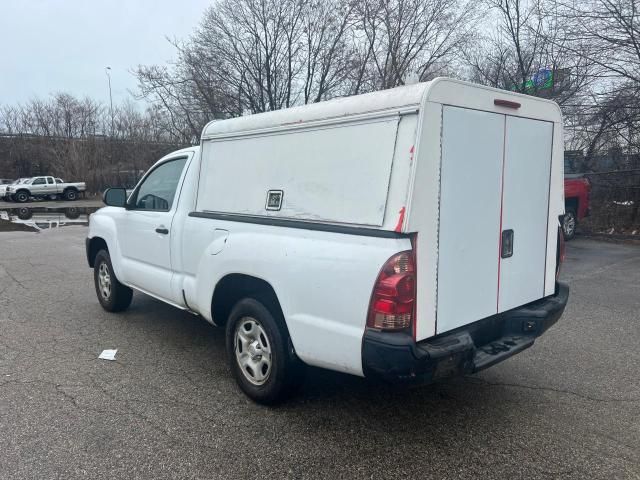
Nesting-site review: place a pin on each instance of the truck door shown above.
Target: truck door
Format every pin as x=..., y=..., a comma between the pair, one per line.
x=58, y=182
x=144, y=230
x=52, y=187
x=39, y=186
x=494, y=202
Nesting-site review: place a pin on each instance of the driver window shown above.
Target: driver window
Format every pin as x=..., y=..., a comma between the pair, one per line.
x=159, y=188
x=38, y=181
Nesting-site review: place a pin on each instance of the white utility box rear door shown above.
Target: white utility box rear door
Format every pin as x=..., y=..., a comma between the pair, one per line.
x=495, y=178
x=470, y=179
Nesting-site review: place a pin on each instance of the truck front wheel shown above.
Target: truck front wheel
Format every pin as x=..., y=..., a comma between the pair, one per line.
x=260, y=354
x=21, y=196
x=112, y=295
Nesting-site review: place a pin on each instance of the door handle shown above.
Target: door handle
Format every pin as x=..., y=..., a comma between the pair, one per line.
x=506, y=245
x=162, y=230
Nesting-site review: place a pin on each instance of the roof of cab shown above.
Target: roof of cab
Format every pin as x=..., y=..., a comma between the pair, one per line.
x=394, y=98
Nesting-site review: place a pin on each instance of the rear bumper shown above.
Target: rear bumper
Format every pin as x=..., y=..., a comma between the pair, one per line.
x=468, y=349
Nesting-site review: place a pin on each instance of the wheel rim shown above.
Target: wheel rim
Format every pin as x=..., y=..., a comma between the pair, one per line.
x=253, y=351
x=104, y=280
x=71, y=195
x=569, y=224
x=22, y=197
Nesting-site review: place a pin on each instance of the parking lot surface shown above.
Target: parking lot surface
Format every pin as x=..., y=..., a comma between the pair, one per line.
x=569, y=407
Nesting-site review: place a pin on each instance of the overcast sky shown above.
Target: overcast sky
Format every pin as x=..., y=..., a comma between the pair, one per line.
x=65, y=45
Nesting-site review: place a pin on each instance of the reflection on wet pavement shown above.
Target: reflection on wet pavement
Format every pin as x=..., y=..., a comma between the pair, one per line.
x=35, y=219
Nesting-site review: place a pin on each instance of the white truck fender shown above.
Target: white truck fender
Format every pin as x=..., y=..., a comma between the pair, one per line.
x=103, y=226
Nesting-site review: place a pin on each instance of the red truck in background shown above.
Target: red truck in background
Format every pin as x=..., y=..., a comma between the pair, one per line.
x=577, y=190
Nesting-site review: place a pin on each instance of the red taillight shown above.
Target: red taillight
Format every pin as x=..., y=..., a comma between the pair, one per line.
x=393, y=299
x=560, y=253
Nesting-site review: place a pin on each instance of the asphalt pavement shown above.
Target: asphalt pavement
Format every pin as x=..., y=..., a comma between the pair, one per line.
x=569, y=407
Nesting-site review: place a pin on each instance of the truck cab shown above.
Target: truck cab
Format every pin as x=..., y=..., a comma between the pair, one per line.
x=408, y=235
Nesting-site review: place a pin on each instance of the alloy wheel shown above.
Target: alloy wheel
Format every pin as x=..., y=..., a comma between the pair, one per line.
x=252, y=350
x=569, y=224
x=104, y=280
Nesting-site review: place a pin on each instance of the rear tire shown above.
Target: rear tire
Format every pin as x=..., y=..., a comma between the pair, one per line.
x=569, y=223
x=260, y=353
x=70, y=195
x=112, y=295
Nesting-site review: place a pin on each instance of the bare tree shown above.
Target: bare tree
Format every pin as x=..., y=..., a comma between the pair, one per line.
x=327, y=53
x=64, y=136
x=260, y=55
x=607, y=32
x=402, y=37
x=529, y=52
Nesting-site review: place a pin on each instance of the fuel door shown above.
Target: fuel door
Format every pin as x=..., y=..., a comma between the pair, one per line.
x=220, y=237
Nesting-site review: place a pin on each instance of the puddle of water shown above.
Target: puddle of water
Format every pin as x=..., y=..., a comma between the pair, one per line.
x=36, y=219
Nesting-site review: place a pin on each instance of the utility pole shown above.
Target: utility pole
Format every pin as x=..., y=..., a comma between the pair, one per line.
x=107, y=70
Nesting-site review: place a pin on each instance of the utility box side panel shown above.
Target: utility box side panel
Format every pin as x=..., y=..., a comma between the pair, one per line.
x=422, y=214
x=556, y=206
x=403, y=162
x=338, y=173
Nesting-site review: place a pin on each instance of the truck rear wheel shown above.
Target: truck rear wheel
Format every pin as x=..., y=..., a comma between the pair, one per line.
x=112, y=295
x=70, y=194
x=569, y=223
x=259, y=351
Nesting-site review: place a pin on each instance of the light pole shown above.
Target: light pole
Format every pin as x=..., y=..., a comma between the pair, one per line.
x=107, y=70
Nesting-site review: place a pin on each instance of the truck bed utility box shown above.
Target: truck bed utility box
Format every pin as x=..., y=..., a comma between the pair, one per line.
x=475, y=173
x=411, y=233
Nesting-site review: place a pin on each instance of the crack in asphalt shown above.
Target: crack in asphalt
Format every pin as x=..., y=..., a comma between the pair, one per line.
x=482, y=382
x=3, y=268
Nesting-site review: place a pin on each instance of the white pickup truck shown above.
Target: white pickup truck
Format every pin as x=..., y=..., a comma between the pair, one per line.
x=45, y=187
x=410, y=234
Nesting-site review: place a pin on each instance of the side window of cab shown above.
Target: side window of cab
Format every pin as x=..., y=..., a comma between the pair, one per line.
x=157, y=192
x=39, y=181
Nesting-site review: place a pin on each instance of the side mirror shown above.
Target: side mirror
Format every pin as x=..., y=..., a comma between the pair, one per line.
x=115, y=197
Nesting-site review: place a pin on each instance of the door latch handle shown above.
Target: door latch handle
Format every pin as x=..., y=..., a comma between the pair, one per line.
x=506, y=245
x=162, y=230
